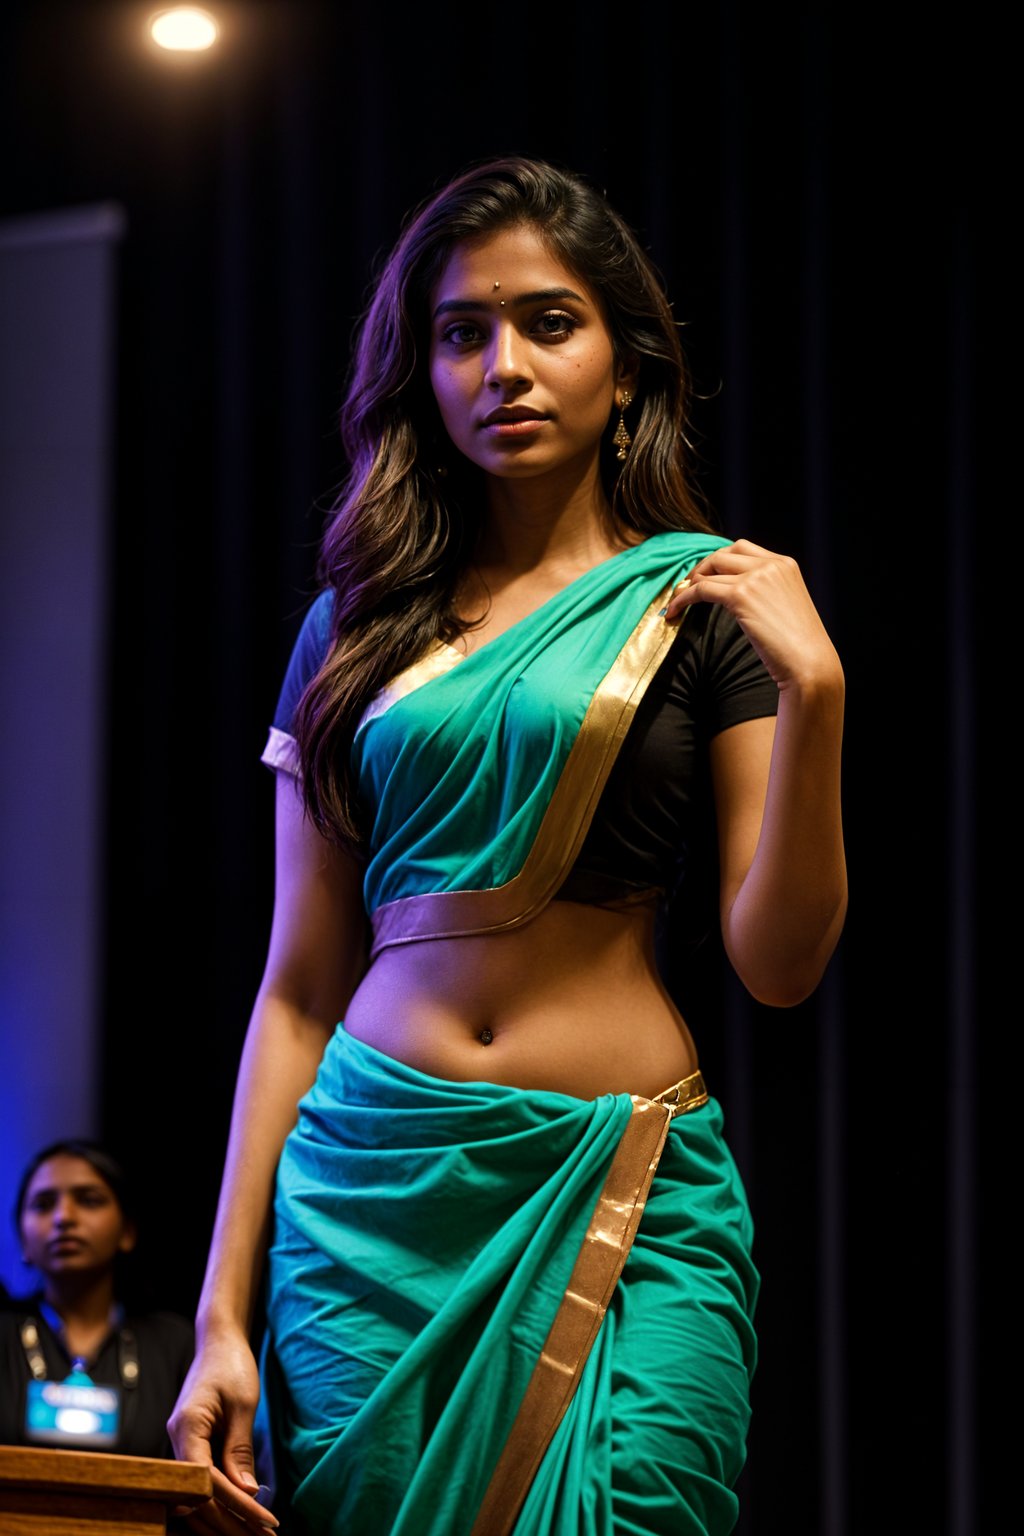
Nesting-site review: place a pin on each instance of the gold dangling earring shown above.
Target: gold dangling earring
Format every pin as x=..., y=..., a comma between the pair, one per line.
x=622, y=439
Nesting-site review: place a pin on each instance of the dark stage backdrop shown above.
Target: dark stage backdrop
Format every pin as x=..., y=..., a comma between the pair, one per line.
x=808, y=180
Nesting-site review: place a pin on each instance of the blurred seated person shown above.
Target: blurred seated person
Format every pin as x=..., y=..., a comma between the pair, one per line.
x=83, y=1366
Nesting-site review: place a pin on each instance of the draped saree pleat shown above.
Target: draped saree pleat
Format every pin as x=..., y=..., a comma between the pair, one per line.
x=425, y=1231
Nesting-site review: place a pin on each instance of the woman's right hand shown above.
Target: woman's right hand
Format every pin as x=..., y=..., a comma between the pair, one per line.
x=215, y=1408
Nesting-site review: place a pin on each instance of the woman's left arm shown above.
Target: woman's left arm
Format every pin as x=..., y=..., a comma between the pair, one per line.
x=777, y=781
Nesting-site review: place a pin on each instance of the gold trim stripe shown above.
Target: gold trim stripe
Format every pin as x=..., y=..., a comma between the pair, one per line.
x=581, y=1312
x=455, y=914
x=438, y=660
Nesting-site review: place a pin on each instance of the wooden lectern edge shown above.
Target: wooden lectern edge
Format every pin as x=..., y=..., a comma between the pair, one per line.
x=182, y=1482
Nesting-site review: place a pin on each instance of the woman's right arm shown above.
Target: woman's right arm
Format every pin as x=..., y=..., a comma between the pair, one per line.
x=315, y=959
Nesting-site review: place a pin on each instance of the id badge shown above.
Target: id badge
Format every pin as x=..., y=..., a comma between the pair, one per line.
x=72, y=1416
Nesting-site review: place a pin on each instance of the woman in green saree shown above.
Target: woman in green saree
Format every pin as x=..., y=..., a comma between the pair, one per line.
x=510, y=1283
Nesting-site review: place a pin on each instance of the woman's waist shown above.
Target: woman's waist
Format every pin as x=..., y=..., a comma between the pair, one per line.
x=572, y=1002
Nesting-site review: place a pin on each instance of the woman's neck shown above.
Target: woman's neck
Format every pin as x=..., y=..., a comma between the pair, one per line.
x=84, y=1305
x=533, y=523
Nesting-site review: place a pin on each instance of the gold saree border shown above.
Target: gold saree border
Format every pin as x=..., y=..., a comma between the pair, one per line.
x=439, y=659
x=456, y=914
x=577, y=1322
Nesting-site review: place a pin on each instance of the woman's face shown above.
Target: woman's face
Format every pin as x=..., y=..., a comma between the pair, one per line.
x=71, y=1222
x=521, y=358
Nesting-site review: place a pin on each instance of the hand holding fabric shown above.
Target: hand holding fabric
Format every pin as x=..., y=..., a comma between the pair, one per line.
x=766, y=594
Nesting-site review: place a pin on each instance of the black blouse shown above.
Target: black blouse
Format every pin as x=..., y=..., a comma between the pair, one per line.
x=657, y=805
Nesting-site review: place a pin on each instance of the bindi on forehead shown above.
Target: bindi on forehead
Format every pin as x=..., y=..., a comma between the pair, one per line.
x=507, y=260
x=516, y=300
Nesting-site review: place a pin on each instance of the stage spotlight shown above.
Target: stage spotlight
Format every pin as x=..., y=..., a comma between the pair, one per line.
x=184, y=28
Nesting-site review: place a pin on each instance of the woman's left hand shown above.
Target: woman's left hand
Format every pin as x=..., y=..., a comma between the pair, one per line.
x=765, y=593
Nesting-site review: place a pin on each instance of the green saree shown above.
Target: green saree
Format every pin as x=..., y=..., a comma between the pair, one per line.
x=425, y=1230
x=483, y=771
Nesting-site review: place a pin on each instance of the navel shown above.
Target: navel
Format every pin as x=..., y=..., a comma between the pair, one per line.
x=485, y=1036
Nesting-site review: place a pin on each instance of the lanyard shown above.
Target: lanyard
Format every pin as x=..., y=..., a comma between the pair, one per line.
x=127, y=1351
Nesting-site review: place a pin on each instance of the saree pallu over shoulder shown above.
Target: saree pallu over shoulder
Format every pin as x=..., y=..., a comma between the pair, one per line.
x=426, y=1235
x=484, y=770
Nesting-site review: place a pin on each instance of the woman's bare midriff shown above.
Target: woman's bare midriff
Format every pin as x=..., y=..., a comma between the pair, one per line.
x=571, y=1002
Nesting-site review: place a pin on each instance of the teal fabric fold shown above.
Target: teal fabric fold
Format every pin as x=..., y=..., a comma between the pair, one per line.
x=460, y=771
x=424, y=1234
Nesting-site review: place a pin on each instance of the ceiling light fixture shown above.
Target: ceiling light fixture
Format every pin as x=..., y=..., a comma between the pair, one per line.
x=183, y=28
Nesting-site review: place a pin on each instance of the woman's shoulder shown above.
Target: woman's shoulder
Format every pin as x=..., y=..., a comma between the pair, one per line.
x=323, y=604
x=692, y=543
x=673, y=551
x=11, y=1317
x=14, y=1309
x=317, y=619
x=308, y=655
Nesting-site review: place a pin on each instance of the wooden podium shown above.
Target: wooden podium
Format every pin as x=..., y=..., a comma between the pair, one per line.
x=84, y=1493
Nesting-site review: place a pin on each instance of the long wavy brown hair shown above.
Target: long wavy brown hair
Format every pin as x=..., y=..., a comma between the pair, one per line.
x=401, y=531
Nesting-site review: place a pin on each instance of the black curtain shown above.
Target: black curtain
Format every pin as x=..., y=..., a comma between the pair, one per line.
x=808, y=179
